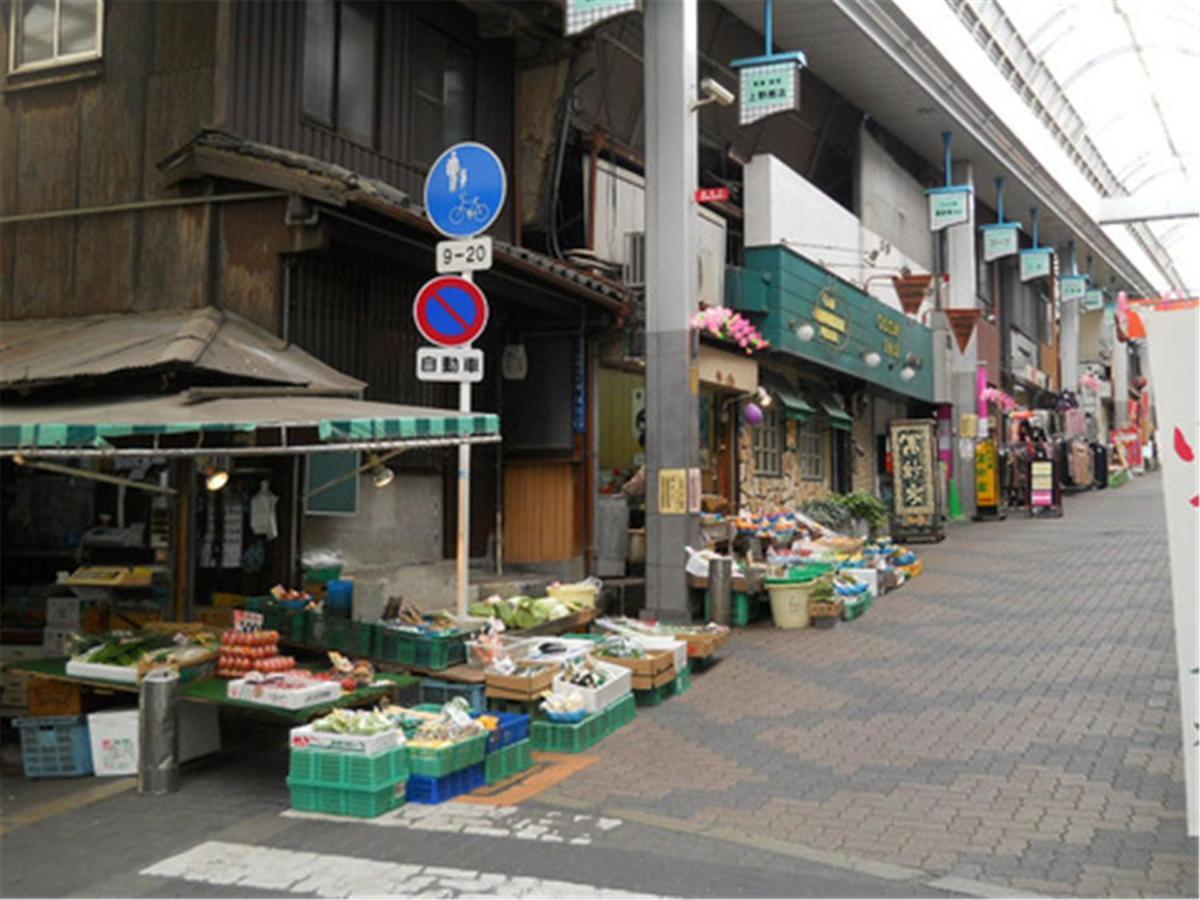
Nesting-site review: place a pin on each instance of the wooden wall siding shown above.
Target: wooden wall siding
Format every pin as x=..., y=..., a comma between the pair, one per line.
x=96, y=141
x=539, y=512
x=267, y=83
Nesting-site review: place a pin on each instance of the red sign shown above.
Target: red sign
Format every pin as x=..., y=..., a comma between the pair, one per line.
x=450, y=311
x=712, y=195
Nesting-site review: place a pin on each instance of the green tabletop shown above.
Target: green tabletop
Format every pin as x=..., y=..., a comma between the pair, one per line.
x=212, y=690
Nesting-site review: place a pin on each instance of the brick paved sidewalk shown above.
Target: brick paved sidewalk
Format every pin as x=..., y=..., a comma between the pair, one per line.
x=1011, y=717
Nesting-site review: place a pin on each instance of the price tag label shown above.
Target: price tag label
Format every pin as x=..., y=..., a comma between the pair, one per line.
x=246, y=622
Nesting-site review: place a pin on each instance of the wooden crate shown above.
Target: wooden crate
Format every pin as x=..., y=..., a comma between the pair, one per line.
x=650, y=682
x=818, y=609
x=518, y=686
x=652, y=664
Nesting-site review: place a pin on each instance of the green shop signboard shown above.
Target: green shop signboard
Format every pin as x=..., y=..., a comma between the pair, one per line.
x=949, y=206
x=767, y=89
x=812, y=314
x=1092, y=300
x=1000, y=241
x=1035, y=263
x=583, y=14
x=1072, y=288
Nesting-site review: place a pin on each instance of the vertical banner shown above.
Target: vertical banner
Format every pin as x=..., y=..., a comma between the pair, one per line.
x=917, y=501
x=1174, y=373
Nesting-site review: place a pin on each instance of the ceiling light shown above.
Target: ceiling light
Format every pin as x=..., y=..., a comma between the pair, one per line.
x=871, y=358
x=805, y=332
x=380, y=474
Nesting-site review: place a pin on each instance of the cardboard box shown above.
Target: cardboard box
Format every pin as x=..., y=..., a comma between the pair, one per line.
x=655, y=661
x=114, y=737
x=47, y=697
x=649, y=682
x=307, y=738
x=521, y=686
x=260, y=692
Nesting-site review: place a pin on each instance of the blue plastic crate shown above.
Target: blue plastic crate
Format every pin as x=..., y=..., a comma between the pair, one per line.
x=513, y=728
x=422, y=789
x=55, y=746
x=439, y=692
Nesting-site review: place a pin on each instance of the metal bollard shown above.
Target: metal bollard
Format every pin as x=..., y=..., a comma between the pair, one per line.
x=720, y=588
x=158, y=733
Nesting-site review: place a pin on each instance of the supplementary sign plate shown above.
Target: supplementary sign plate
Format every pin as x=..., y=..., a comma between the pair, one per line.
x=450, y=364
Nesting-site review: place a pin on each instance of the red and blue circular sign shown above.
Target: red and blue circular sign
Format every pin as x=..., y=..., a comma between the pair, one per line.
x=450, y=311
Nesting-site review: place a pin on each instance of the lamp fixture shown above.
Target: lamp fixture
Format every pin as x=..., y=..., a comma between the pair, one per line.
x=871, y=358
x=382, y=475
x=764, y=397
x=912, y=363
x=907, y=373
x=216, y=474
x=805, y=332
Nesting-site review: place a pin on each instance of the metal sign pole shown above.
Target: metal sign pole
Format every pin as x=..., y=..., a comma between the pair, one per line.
x=464, y=505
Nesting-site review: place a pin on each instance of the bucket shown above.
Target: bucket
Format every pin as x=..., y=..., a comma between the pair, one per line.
x=789, y=601
x=339, y=597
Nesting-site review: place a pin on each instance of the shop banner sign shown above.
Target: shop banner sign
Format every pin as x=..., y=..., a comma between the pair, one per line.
x=1174, y=373
x=1072, y=287
x=1041, y=483
x=1035, y=263
x=913, y=451
x=584, y=14
x=1092, y=300
x=949, y=206
x=1000, y=241
x=987, y=474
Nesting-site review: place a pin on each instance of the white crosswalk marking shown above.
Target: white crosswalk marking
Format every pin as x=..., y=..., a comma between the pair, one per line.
x=331, y=875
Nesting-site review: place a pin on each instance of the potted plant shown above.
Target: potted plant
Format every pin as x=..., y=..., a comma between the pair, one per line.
x=824, y=607
x=867, y=509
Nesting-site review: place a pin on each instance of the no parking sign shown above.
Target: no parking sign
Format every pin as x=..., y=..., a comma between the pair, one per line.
x=450, y=311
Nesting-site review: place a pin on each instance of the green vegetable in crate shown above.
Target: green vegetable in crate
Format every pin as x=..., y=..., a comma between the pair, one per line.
x=621, y=648
x=346, y=721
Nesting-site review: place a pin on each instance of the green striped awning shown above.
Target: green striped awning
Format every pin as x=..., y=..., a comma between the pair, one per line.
x=336, y=419
x=833, y=409
x=793, y=403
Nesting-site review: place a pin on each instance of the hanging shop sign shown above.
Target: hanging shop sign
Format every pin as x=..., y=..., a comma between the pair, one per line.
x=1072, y=287
x=1035, y=263
x=950, y=205
x=917, y=499
x=1000, y=241
x=584, y=14
x=1092, y=300
x=767, y=87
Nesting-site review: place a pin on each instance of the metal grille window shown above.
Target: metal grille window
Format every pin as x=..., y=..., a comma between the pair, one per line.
x=767, y=442
x=340, y=66
x=812, y=460
x=49, y=33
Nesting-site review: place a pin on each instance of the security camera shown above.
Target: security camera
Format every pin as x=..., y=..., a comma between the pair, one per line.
x=714, y=92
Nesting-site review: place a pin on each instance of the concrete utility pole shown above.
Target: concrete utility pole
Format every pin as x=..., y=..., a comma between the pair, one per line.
x=672, y=404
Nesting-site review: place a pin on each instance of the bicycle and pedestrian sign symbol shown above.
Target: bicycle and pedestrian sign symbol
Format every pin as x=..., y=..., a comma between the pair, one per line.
x=465, y=190
x=450, y=311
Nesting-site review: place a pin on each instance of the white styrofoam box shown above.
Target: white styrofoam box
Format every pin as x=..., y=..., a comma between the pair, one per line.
x=81, y=668
x=869, y=576
x=114, y=737
x=620, y=683
x=54, y=639
x=652, y=642
x=573, y=647
x=308, y=738
x=262, y=692
x=64, y=612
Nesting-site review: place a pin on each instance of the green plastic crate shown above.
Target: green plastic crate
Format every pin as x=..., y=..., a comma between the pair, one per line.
x=338, y=633
x=508, y=761
x=562, y=737
x=621, y=713
x=655, y=696
x=347, y=801
x=856, y=609
x=293, y=625
x=683, y=682
x=748, y=608
x=352, y=771
x=444, y=760
x=531, y=708
x=409, y=649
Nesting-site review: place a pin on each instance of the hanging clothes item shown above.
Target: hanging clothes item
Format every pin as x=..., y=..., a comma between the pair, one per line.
x=262, y=512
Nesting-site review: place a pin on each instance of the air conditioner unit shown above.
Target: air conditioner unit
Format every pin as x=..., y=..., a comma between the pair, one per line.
x=633, y=271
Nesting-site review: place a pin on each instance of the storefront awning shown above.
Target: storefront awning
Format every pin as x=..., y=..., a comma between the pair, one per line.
x=794, y=405
x=287, y=424
x=832, y=407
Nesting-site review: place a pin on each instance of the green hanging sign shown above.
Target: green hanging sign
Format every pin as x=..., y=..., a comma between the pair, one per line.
x=1035, y=263
x=1000, y=240
x=1092, y=300
x=948, y=206
x=583, y=14
x=1072, y=287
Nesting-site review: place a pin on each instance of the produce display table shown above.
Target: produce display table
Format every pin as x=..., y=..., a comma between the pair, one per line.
x=212, y=690
x=564, y=625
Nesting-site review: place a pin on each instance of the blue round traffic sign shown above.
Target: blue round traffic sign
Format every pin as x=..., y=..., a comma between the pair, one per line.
x=450, y=311
x=465, y=190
